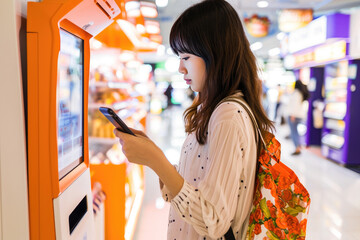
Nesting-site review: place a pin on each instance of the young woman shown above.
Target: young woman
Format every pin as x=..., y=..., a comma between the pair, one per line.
x=296, y=114
x=212, y=188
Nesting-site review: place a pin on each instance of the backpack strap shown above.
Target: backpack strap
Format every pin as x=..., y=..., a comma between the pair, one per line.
x=242, y=102
x=229, y=235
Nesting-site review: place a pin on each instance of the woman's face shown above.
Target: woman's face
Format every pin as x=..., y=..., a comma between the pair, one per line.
x=194, y=70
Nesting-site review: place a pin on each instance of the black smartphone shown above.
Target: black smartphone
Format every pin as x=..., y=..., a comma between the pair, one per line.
x=115, y=120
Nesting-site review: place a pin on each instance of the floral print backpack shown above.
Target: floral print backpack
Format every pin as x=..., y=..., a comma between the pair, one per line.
x=281, y=203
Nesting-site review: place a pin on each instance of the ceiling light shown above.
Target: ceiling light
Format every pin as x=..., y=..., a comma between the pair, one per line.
x=148, y=9
x=274, y=52
x=152, y=27
x=131, y=33
x=161, y=3
x=132, y=8
x=256, y=46
x=262, y=4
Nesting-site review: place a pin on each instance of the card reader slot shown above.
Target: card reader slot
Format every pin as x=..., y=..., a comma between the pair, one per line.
x=102, y=9
x=108, y=4
x=77, y=214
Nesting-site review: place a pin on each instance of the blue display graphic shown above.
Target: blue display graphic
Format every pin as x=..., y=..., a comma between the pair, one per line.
x=70, y=103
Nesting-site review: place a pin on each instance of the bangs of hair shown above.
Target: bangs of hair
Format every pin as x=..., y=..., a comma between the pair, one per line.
x=178, y=44
x=181, y=36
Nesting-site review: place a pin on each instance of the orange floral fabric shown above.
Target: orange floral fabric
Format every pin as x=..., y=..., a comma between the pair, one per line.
x=281, y=203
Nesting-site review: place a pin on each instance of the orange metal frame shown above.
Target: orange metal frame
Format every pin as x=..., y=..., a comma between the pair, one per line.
x=43, y=46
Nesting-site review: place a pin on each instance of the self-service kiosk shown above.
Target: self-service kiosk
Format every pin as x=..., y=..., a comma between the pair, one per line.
x=58, y=34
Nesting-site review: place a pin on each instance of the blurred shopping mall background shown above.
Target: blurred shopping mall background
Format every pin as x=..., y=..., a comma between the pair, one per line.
x=133, y=71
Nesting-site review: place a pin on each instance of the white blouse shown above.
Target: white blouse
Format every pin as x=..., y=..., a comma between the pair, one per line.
x=295, y=106
x=219, y=179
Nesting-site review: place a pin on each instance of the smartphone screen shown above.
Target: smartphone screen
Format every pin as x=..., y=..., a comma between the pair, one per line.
x=115, y=120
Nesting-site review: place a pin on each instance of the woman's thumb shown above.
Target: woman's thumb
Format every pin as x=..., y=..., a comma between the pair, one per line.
x=119, y=134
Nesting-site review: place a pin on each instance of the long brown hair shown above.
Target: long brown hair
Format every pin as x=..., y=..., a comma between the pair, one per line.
x=213, y=31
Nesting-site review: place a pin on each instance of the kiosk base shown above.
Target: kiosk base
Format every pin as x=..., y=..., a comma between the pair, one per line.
x=73, y=211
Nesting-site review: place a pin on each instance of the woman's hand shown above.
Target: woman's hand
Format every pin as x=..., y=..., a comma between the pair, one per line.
x=161, y=184
x=137, y=132
x=140, y=149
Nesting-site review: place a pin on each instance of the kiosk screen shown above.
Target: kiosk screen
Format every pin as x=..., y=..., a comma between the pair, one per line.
x=70, y=105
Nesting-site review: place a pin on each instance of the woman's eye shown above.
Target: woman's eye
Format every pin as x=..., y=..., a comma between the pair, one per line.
x=185, y=58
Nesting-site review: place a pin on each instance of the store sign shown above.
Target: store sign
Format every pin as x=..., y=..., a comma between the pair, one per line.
x=311, y=35
x=329, y=52
x=355, y=35
x=303, y=58
x=292, y=19
x=257, y=26
x=319, y=55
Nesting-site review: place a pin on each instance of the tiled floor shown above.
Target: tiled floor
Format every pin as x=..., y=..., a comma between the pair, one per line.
x=334, y=190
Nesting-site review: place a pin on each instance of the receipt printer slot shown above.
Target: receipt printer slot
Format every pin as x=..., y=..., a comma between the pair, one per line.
x=77, y=214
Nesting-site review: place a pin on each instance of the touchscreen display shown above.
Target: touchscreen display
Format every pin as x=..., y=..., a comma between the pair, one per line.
x=70, y=103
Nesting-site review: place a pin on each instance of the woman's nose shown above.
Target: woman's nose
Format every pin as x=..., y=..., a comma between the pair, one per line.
x=182, y=69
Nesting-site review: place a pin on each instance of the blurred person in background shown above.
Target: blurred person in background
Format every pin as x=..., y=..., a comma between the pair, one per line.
x=211, y=191
x=278, y=108
x=264, y=99
x=296, y=113
x=190, y=93
x=168, y=93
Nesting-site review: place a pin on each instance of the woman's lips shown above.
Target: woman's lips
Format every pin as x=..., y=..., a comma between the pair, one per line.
x=188, y=81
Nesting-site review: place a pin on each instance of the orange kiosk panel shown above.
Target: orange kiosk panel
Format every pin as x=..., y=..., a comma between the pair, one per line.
x=112, y=180
x=53, y=170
